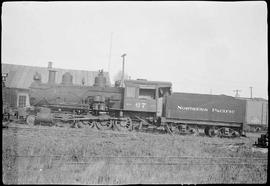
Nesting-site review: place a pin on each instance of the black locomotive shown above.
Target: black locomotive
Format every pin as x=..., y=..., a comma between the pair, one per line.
x=139, y=104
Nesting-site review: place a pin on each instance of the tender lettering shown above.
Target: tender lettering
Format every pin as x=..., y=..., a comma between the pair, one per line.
x=201, y=109
x=192, y=109
x=223, y=110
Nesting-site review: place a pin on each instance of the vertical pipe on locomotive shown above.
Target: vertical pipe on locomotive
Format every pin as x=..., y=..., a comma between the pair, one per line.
x=51, y=79
x=123, y=70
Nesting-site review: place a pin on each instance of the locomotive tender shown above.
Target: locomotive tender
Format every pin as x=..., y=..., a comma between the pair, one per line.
x=139, y=104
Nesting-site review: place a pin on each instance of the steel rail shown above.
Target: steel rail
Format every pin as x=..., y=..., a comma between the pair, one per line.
x=141, y=157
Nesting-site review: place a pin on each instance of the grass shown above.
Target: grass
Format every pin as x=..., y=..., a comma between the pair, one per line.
x=61, y=156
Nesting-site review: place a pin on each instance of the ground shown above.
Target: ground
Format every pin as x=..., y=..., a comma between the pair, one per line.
x=45, y=155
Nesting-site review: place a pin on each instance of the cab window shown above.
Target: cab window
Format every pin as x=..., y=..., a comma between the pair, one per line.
x=131, y=92
x=164, y=92
x=147, y=93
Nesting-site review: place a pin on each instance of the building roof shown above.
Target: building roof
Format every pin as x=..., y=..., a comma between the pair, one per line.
x=253, y=99
x=21, y=76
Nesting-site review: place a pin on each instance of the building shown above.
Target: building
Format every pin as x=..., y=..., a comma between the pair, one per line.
x=256, y=112
x=20, y=77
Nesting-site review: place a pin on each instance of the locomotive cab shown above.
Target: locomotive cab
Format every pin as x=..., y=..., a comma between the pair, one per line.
x=145, y=96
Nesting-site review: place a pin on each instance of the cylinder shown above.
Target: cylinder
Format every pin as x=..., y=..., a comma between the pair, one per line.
x=95, y=106
x=44, y=115
x=102, y=107
x=97, y=98
x=102, y=99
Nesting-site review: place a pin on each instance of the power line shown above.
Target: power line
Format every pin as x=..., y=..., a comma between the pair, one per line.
x=110, y=53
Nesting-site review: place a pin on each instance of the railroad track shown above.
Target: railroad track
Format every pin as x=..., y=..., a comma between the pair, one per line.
x=154, y=160
x=147, y=160
x=64, y=129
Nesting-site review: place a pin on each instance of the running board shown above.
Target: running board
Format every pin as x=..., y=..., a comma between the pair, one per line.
x=204, y=123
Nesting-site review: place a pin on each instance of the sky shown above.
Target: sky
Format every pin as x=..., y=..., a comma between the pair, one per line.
x=201, y=47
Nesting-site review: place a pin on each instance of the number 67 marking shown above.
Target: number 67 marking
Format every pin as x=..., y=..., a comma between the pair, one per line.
x=140, y=105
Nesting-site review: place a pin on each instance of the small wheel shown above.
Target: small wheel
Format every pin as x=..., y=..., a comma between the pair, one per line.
x=136, y=125
x=5, y=124
x=209, y=131
x=219, y=132
x=124, y=125
x=88, y=124
x=196, y=131
x=30, y=120
x=80, y=124
x=173, y=130
x=74, y=125
x=104, y=125
x=212, y=132
x=60, y=124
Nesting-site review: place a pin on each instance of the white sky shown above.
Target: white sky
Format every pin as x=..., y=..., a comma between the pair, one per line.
x=198, y=46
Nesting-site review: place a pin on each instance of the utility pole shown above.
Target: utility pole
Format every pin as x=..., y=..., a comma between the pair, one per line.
x=123, y=70
x=250, y=92
x=110, y=53
x=237, y=92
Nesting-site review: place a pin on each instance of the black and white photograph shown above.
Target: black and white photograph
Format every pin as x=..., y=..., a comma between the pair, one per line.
x=134, y=92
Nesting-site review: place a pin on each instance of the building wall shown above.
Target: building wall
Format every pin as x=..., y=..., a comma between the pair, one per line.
x=9, y=96
x=12, y=97
x=24, y=94
x=257, y=112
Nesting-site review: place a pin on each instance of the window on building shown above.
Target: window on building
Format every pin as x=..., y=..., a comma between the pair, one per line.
x=131, y=92
x=22, y=101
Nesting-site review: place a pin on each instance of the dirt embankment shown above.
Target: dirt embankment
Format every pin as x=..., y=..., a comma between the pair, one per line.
x=58, y=155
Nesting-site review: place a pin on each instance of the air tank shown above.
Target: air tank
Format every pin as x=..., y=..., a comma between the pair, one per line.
x=67, y=79
x=100, y=80
x=99, y=98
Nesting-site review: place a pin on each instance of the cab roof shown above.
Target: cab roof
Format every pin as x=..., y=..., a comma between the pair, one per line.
x=145, y=82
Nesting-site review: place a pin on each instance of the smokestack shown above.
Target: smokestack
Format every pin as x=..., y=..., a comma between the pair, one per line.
x=49, y=65
x=51, y=79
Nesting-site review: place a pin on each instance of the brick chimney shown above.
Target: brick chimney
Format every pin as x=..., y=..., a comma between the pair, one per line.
x=49, y=65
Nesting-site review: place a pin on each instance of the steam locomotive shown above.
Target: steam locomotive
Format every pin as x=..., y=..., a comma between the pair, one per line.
x=138, y=105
